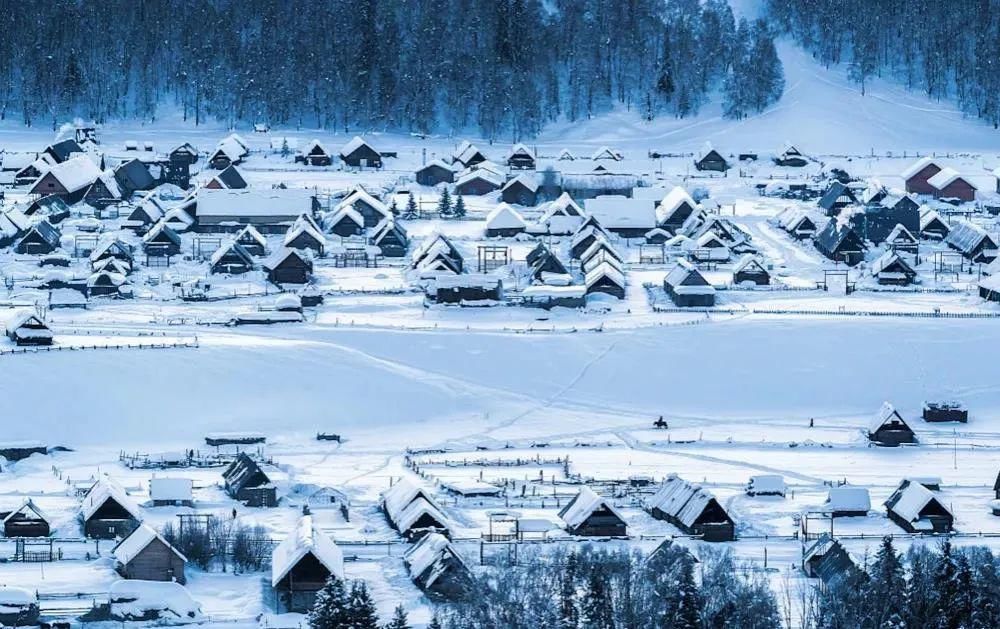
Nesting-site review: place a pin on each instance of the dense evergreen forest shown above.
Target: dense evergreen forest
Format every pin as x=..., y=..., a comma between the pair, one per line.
x=502, y=67
x=950, y=50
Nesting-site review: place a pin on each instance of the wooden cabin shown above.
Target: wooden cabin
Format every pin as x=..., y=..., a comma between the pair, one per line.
x=846, y=501
x=301, y=565
x=104, y=192
x=24, y=327
x=63, y=150
x=891, y=268
x=371, y=209
x=18, y=607
x=588, y=514
x=41, y=239
x=478, y=182
x=710, y=159
x=145, y=555
x=230, y=178
x=888, y=428
x=246, y=482
x=972, y=241
x=521, y=190
x=345, y=222
x=437, y=247
x=436, y=567
x=107, y=283
x=184, y=153
x=542, y=263
x=25, y=521
x=751, y=269
x=314, y=154
x=827, y=560
x=917, y=175
x=360, y=154
x=901, y=239
x=412, y=510
x=161, y=241
x=916, y=509
x=687, y=287
x=932, y=226
x=133, y=176
x=839, y=242
x=521, y=158
x=605, y=278
x=692, y=509
x=231, y=259
x=468, y=154
x=391, y=238
x=466, y=288
x=107, y=511
x=230, y=151
x=837, y=196
x=504, y=222
x=675, y=209
x=435, y=173
x=252, y=241
x=790, y=157
x=68, y=180
x=288, y=266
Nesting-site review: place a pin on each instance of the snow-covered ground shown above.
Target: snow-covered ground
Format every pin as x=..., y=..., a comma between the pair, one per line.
x=769, y=382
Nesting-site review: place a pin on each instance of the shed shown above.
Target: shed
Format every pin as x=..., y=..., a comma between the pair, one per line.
x=412, y=510
x=114, y=248
x=372, y=209
x=52, y=207
x=24, y=327
x=521, y=190
x=902, y=239
x=606, y=153
x=466, y=288
x=161, y=241
x=917, y=510
x=108, y=512
x=62, y=151
x=675, y=209
x=541, y=260
x=468, y=154
x=605, y=278
x=42, y=238
x=828, y=561
x=437, y=247
x=548, y=297
x=434, y=173
x=360, y=154
x=145, y=555
x=972, y=241
x=478, y=181
x=303, y=234
x=945, y=411
x=588, y=514
x=693, y=509
x=687, y=287
x=839, y=242
x=252, y=240
x=27, y=520
x=437, y=568
x=391, y=238
x=315, y=154
x=948, y=183
x=710, y=159
x=18, y=607
x=246, y=481
x=837, y=196
x=231, y=259
x=521, y=158
x=184, y=153
x=133, y=176
x=893, y=269
x=887, y=428
x=932, y=226
x=345, y=222
x=301, y=565
x=230, y=178
x=790, y=156
x=629, y=218
x=104, y=192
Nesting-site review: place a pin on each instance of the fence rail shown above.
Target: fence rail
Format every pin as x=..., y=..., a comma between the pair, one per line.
x=71, y=348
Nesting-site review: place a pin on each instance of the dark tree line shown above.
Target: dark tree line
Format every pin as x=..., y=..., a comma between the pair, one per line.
x=504, y=67
x=617, y=589
x=943, y=588
x=947, y=49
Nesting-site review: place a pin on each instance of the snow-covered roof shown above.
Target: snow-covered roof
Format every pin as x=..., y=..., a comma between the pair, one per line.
x=966, y=236
x=674, y=199
x=909, y=500
x=430, y=558
x=16, y=161
x=290, y=203
x=76, y=173
x=900, y=235
x=314, y=146
x=848, y=498
x=767, y=484
x=305, y=540
x=467, y=280
x=583, y=506
x=917, y=166
x=21, y=318
x=137, y=541
x=504, y=216
x=345, y=212
x=889, y=258
x=401, y=494
x=887, y=416
x=408, y=517
x=606, y=153
x=604, y=270
x=360, y=195
x=104, y=490
x=27, y=505
x=521, y=149
x=527, y=180
x=486, y=174
x=134, y=600
x=354, y=144
x=748, y=261
x=563, y=206
x=946, y=177
x=171, y=489
x=466, y=151
x=231, y=149
x=553, y=291
x=13, y=222
x=251, y=232
x=685, y=279
x=618, y=212
x=681, y=499
x=16, y=597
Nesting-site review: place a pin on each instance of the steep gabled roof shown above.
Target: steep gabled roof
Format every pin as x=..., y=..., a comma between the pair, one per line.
x=305, y=540
x=583, y=505
x=137, y=541
x=103, y=491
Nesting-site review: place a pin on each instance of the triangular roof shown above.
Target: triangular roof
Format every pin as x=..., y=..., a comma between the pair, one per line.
x=137, y=541
x=583, y=505
x=504, y=216
x=104, y=490
x=917, y=166
x=888, y=416
x=305, y=540
x=26, y=505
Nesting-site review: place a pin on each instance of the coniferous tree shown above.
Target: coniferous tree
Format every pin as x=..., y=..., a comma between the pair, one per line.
x=596, y=611
x=331, y=610
x=399, y=619
x=411, y=212
x=444, y=203
x=886, y=591
x=361, y=607
x=458, y=211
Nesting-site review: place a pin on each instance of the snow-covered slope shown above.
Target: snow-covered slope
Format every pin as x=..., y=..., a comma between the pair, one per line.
x=821, y=111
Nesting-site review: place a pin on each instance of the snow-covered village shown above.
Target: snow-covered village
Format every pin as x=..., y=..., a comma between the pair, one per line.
x=659, y=314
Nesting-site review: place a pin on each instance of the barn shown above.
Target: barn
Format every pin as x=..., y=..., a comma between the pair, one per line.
x=437, y=568
x=750, y=268
x=972, y=241
x=412, y=510
x=687, y=287
x=145, y=555
x=231, y=259
x=108, y=512
x=391, y=238
x=301, y=565
x=839, y=242
x=888, y=428
x=521, y=190
x=27, y=520
x=710, y=159
x=588, y=514
x=919, y=173
x=246, y=481
x=891, y=268
x=24, y=327
x=521, y=158
x=314, y=154
x=693, y=509
x=948, y=183
x=675, y=209
x=68, y=180
x=434, y=173
x=41, y=239
x=916, y=509
x=360, y=154
x=504, y=221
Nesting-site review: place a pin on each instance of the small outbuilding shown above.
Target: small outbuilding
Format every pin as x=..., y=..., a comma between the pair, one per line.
x=751, y=269
x=391, y=238
x=27, y=520
x=231, y=259
x=41, y=239
x=521, y=158
x=687, y=287
x=108, y=512
x=435, y=173
x=145, y=555
x=301, y=565
x=171, y=492
x=412, y=510
x=358, y=153
x=436, y=567
x=521, y=190
x=314, y=154
x=710, y=159
x=916, y=509
x=692, y=509
x=588, y=514
x=844, y=501
x=25, y=327
x=888, y=428
x=504, y=221
x=893, y=269
x=246, y=482
x=839, y=242
x=828, y=561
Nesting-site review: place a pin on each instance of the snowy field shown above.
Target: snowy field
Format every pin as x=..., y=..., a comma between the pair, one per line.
x=780, y=381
